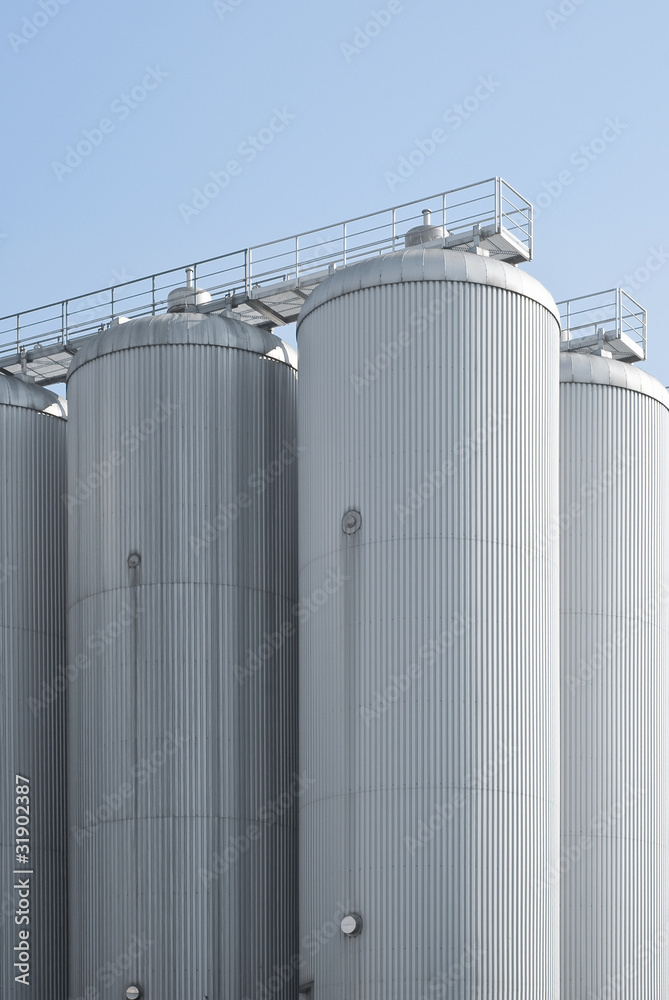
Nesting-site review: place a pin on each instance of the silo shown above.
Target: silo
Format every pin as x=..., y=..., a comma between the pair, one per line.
x=429, y=664
x=181, y=612
x=33, y=826
x=614, y=529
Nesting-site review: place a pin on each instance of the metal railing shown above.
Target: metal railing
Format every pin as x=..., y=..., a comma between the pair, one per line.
x=489, y=212
x=610, y=320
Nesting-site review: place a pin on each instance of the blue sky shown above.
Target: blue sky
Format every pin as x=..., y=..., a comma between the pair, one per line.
x=171, y=92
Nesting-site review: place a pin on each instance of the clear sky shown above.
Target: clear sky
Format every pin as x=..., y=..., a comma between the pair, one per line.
x=572, y=111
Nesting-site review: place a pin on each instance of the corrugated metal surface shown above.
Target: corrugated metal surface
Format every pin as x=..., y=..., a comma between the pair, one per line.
x=429, y=672
x=615, y=663
x=183, y=714
x=32, y=712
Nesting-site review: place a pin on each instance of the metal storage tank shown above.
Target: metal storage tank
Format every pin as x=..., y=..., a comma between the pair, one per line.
x=614, y=524
x=181, y=612
x=33, y=825
x=429, y=663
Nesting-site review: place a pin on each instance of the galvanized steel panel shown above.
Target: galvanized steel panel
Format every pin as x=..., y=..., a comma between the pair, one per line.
x=429, y=668
x=183, y=757
x=32, y=707
x=612, y=873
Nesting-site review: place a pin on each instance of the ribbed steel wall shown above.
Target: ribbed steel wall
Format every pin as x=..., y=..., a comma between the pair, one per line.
x=614, y=443
x=429, y=678
x=32, y=706
x=182, y=748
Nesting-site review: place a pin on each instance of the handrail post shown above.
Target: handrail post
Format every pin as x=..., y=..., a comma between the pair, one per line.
x=644, y=320
x=297, y=258
x=63, y=322
x=18, y=333
x=153, y=295
x=112, y=301
x=344, y=244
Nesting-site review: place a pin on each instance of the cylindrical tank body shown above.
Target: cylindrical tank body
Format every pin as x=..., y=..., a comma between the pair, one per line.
x=614, y=529
x=33, y=827
x=429, y=664
x=182, y=632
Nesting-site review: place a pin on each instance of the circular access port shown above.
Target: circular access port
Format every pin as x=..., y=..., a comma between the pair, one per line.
x=134, y=559
x=351, y=924
x=351, y=522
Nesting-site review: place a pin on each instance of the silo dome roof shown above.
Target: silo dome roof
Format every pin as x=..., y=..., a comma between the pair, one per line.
x=591, y=369
x=185, y=328
x=15, y=392
x=428, y=264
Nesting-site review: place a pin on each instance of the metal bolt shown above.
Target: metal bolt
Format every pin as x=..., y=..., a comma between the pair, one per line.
x=134, y=559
